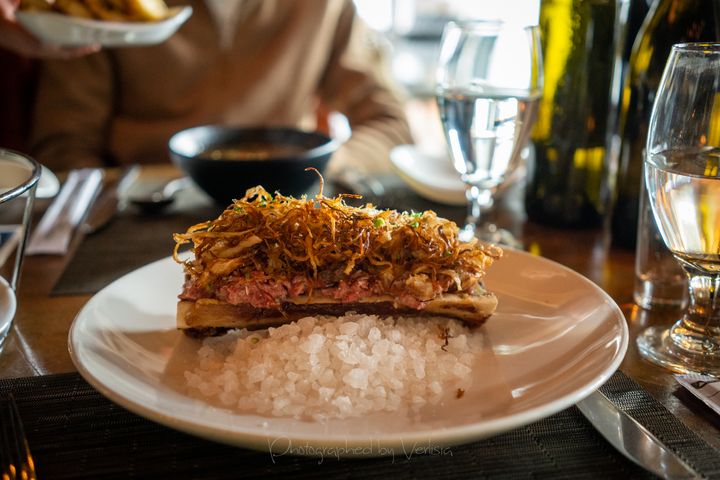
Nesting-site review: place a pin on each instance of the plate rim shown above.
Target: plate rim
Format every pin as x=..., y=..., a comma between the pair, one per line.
x=109, y=25
x=408, y=151
x=441, y=189
x=252, y=438
x=162, y=29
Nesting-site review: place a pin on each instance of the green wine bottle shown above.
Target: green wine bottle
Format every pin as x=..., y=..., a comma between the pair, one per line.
x=668, y=22
x=566, y=184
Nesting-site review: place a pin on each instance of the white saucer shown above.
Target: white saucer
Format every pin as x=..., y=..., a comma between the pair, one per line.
x=48, y=185
x=14, y=174
x=430, y=176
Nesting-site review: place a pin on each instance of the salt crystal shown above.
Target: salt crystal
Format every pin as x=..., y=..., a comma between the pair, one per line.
x=306, y=324
x=326, y=393
x=461, y=370
x=458, y=343
x=398, y=349
x=313, y=344
x=327, y=367
x=280, y=403
x=374, y=334
x=348, y=328
x=394, y=335
x=419, y=368
x=357, y=378
x=256, y=373
x=344, y=405
x=227, y=398
x=381, y=348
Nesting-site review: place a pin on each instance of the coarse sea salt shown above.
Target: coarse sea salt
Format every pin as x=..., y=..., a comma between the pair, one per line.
x=337, y=367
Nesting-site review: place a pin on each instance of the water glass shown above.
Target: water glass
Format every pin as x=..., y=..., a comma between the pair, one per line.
x=489, y=80
x=682, y=176
x=19, y=176
x=660, y=281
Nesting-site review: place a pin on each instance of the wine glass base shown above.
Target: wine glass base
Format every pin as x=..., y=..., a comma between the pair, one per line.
x=656, y=345
x=490, y=233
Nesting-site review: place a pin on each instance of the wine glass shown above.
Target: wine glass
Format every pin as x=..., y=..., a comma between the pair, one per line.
x=683, y=182
x=489, y=79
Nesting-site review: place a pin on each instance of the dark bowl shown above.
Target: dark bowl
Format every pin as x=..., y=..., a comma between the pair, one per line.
x=286, y=154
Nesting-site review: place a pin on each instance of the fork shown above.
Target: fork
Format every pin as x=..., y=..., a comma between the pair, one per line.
x=15, y=457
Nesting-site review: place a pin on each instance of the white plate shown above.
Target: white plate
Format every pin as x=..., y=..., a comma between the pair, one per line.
x=429, y=175
x=67, y=30
x=433, y=176
x=555, y=338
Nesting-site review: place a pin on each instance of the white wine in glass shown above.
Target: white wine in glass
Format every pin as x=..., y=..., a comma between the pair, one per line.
x=683, y=181
x=489, y=80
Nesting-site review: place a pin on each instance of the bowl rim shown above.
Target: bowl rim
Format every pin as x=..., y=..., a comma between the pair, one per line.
x=325, y=149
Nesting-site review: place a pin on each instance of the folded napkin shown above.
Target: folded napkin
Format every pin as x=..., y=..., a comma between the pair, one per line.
x=56, y=228
x=704, y=387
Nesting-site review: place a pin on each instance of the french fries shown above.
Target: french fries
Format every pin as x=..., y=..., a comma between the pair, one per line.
x=109, y=10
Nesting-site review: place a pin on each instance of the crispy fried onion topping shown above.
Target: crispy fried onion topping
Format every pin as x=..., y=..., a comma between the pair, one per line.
x=286, y=238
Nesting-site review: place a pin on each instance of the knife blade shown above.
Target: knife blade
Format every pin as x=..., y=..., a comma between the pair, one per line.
x=632, y=439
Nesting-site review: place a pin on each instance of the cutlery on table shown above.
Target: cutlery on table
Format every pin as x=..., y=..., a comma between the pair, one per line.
x=110, y=202
x=57, y=226
x=631, y=438
x=17, y=461
x=160, y=198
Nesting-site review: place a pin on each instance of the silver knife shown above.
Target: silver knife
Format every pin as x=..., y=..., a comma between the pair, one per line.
x=632, y=439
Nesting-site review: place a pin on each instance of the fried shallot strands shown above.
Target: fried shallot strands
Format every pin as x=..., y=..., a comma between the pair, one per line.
x=286, y=237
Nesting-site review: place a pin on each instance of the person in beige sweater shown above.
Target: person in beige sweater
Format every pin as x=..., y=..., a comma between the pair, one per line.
x=271, y=62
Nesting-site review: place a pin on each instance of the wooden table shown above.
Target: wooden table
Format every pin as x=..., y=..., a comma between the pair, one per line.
x=37, y=344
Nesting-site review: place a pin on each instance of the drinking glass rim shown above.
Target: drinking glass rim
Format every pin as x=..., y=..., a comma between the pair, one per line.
x=709, y=48
x=34, y=178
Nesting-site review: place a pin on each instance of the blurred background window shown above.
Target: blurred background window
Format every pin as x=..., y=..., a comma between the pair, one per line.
x=413, y=29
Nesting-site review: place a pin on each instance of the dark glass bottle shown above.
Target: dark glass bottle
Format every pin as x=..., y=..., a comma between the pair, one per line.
x=668, y=22
x=566, y=183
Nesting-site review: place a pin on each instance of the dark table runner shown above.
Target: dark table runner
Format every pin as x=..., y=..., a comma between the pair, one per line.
x=129, y=242
x=74, y=433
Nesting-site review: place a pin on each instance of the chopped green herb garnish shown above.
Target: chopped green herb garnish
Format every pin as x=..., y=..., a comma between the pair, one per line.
x=378, y=222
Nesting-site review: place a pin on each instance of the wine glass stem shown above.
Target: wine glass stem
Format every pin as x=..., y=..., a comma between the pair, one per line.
x=478, y=200
x=699, y=329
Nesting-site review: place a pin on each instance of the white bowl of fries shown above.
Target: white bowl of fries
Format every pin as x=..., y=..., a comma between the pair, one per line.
x=110, y=23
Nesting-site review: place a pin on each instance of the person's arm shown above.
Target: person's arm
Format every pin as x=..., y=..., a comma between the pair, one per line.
x=354, y=85
x=15, y=38
x=74, y=104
